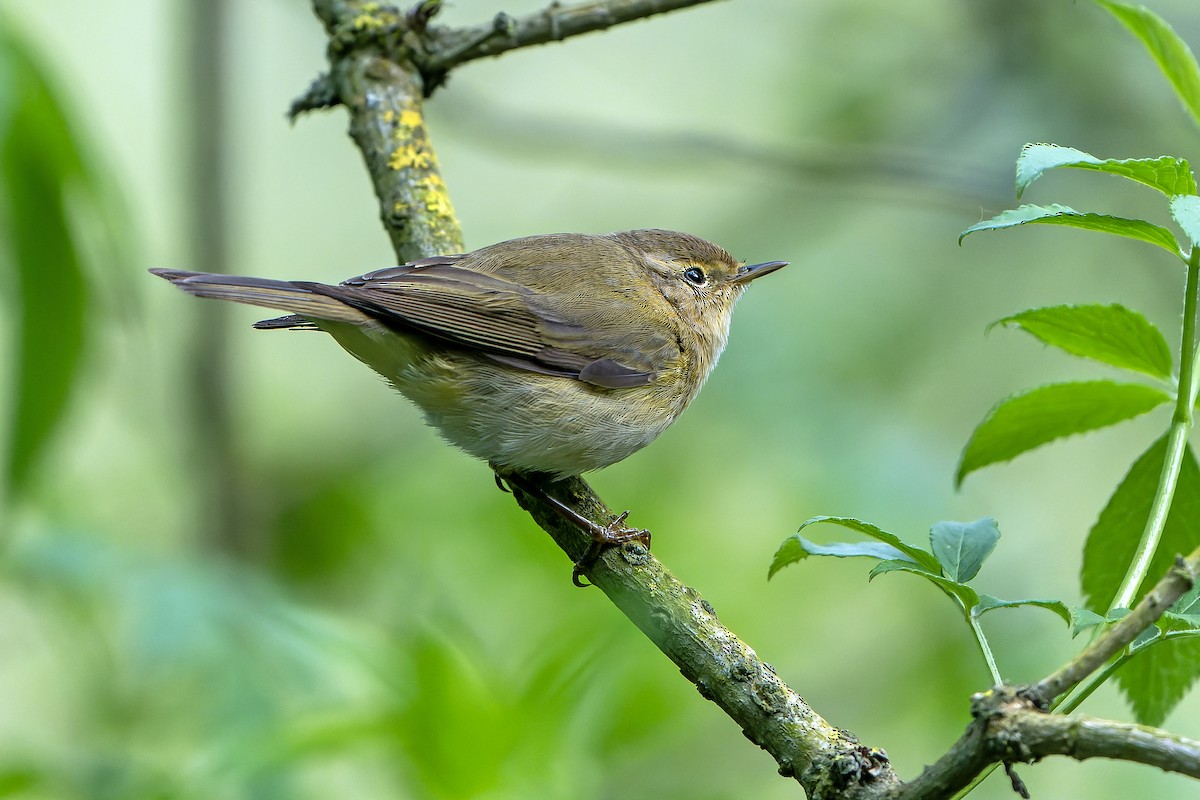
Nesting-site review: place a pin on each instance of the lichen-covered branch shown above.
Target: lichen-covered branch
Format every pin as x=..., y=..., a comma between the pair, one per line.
x=450, y=47
x=723, y=668
x=384, y=95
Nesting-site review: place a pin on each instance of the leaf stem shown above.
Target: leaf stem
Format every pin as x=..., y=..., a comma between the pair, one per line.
x=1066, y=706
x=1181, y=423
x=970, y=787
x=984, y=648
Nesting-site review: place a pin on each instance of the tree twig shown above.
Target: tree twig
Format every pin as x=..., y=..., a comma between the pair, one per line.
x=1178, y=580
x=449, y=48
x=384, y=96
x=1008, y=727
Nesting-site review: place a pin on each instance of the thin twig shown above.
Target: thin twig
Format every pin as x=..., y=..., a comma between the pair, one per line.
x=1173, y=585
x=553, y=24
x=1007, y=728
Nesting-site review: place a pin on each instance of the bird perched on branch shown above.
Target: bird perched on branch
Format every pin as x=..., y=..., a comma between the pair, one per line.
x=552, y=355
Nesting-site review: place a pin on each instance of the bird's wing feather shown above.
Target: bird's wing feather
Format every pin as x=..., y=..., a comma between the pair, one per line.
x=486, y=312
x=498, y=317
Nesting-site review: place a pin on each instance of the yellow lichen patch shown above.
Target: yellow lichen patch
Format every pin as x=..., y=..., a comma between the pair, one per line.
x=389, y=116
x=409, y=155
x=433, y=183
x=372, y=17
x=410, y=118
x=432, y=191
x=400, y=208
x=439, y=205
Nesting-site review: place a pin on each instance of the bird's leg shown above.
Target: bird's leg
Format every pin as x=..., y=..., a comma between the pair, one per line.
x=603, y=536
x=611, y=535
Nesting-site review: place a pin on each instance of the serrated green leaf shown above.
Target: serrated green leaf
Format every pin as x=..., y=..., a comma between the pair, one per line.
x=1169, y=175
x=1083, y=619
x=1186, y=211
x=912, y=552
x=1177, y=622
x=1189, y=602
x=1056, y=214
x=988, y=603
x=1024, y=421
x=1147, y=637
x=963, y=593
x=1111, y=334
x=796, y=548
x=962, y=547
x=1156, y=680
x=1113, y=540
x=1185, y=612
x=1171, y=53
x=1159, y=677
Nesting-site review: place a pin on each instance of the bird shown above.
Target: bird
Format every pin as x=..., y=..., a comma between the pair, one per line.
x=551, y=355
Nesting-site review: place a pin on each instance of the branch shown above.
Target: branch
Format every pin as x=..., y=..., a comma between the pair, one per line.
x=1178, y=580
x=1008, y=727
x=384, y=96
x=448, y=48
x=827, y=761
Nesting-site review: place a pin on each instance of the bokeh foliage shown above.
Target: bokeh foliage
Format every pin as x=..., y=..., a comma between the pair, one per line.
x=402, y=629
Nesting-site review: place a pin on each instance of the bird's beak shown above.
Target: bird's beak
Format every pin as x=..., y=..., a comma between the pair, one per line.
x=751, y=271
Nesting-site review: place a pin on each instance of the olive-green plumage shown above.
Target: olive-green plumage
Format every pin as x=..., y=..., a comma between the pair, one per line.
x=557, y=354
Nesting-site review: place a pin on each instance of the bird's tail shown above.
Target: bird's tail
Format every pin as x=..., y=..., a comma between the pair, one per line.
x=283, y=295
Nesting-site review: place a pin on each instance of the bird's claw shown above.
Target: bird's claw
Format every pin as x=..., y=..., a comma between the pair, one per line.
x=611, y=535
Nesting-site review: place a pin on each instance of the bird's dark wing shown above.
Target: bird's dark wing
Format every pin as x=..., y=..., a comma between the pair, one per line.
x=496, y=317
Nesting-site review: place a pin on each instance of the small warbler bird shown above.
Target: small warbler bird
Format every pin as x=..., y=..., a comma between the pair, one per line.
x=556, y=354
x=552, y=355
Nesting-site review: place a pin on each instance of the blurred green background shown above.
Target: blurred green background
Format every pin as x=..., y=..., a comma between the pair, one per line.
x=376, y=618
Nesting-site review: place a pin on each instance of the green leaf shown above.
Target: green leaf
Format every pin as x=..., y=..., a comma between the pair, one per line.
x=962, y=547
x=1176, y=622
x=796, y=548
x=911, y=552
x=1063, y=215
x=988, y=603
x=1157, y=679
x=1030, y=419
x=1189, y=603
x=1109, y=334
x=39, y=164
x=1169, y=175
x=1186, y=211
x=1083, y=619
x=1145, y=638
x=1171, y=53
x=963, y=593
x=1114, y=538
x=1185, y=613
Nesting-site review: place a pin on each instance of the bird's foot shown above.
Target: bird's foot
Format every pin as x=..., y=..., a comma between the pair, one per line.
x=613, y=534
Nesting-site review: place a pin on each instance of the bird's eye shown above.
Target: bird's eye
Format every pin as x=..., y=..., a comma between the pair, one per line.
x=695, y=276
